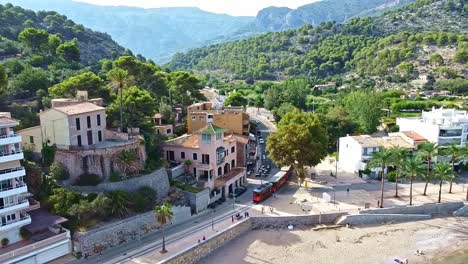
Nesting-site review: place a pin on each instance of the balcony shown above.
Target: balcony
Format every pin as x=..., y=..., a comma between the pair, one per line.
x=10, y=139
x=446, y=133
x=449, y=141
x=13, y=189
x=13, y=155
x=24, y=220
x=201, y=166
x=22, y=203
x=12, y=173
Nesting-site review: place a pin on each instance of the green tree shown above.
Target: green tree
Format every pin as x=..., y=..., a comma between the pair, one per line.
x=119, y=81
x=137, y=105
x=365, y=109
x=69, y=51
x=54, y=42
x=399, y=155
x=283, y=109
x=461, y=56
x=455, y=153
x=436, y=59
x=62, y=200
x=427, y=151
x=443, y=172
x=338, y=124
x=413, y=168
x=235, y=99
x=184, y=88
x=36, y=39
x=300, y=141
x=381, y=159
x=30, y=80
x=118, y=203
x=163, y=216
x=86, y=81
x=3, y=81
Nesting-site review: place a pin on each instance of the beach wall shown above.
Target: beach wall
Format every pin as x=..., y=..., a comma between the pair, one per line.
x=374, y=219
x=263, y=222
x=439, y=209
x=462, y=211
x=199, y=251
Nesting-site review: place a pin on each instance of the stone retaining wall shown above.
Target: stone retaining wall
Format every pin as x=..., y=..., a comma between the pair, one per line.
x=441, y=209
x=374, y=219
x=199, y=251
x=158, y=180
x=123, y=231
x=462, y=211
x=262, y=222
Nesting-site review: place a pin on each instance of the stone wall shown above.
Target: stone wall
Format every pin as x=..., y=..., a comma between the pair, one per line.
x=462, y=211
x=199, y=251
x=439, y=209
x=198, y=201
x=261, y=222
x=176, y=172
x=374, y=219
x=99, y=161
x=124, y=231
x=158, y=180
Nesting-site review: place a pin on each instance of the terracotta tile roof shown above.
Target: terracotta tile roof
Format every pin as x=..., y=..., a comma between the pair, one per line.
x=234, y=173
x=187, y=141
x=81, y=108
x=241, y=139
x=414, y=136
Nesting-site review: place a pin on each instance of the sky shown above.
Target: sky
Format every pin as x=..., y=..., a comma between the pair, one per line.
x=231, y=7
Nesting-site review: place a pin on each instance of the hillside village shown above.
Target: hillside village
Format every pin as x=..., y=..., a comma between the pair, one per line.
x=104, y=153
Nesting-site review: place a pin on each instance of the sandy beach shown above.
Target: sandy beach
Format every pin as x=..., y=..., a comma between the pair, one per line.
x=437, y=238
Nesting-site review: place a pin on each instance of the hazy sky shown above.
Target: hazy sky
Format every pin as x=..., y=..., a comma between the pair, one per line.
x=231, y=7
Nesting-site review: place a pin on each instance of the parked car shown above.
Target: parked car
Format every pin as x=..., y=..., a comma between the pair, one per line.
x=258, y=174
x=238, y=192
x=261, y=141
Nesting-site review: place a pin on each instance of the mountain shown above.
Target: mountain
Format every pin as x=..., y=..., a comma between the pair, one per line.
x=155, y=33
x=330, y=48
x=280, y=18
x=93, y=45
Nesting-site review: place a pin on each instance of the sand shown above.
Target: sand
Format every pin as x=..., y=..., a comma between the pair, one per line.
x=437, y=238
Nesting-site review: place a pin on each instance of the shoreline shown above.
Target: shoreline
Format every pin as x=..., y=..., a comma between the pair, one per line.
x=438, y=238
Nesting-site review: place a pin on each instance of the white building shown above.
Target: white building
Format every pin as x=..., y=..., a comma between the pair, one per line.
x=441, y=126
x=47, y=241
x=355, y=151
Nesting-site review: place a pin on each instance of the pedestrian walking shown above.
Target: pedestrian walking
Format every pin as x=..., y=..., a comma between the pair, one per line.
x=198, y=241
x=204, y=238
x=347, y=190
x=378, y=203
x=263, y=209
x=232, y=219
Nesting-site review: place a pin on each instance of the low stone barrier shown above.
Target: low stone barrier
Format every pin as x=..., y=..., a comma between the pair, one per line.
x=441, y=209
x=462, y=211
x=374, y=219
x=199, y=251
x=263, y=222
x=126, y=230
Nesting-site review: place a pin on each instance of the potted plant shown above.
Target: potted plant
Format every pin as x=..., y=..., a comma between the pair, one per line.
x=5, y=242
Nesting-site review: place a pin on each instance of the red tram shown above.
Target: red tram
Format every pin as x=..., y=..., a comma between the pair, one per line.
x=265, y=190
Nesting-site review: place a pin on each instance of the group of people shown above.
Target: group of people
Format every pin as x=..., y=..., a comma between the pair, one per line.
x=271, y=208
x=238, y=216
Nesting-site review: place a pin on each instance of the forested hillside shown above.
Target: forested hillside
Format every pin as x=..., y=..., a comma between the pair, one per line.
x=93, y=45
x=331, y=49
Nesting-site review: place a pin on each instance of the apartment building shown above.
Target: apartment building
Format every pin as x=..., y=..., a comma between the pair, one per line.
x=18, y=211
x=231, y=119
x=213, y=156
x=441, y=126
x=355, y=151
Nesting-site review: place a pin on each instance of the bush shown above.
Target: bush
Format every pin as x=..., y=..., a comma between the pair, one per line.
x=90, y=197
x=115, y=177
x=391, y=176
x=5, y=242
x=24, y=233
x=88, y=180
x=58, y=172
x=143, y=199
x=48, y=155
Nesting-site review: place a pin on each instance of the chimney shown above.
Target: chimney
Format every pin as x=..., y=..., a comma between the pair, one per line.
x=82, y=96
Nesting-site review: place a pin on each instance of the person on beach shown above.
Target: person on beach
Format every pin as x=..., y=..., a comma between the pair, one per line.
x=232, y=219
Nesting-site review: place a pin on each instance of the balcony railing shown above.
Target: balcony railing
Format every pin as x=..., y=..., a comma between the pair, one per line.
x=23, y=216
x=13, y=152
x=13, y=186
x=9, y=136
x=20, y=201
x=5, y=171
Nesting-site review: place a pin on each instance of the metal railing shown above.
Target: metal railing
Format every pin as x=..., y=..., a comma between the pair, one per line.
x=13, y=186
x=20, y=201
x=23, y=216
x=13, y=152
x=9, y=136
x=5, y=171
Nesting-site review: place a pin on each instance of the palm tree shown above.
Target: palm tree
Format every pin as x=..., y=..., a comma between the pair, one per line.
x=119, y=80
x=443, y=172
x=163, y=216
x=382, y=159
x=399, y=155
x=118, y=203
x=428, y=151
x=455, y=153
x=413, y=168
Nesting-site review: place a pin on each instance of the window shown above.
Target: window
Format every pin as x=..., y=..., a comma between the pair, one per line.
x=182, y=155
x=195, y=156
x=218, y=136
x=233, y=149
x=78, y=138
x=31, y=139
x=206, y=138
x=77, y=122
x=98, y=119
x=210, y=116
x=167, y=131
x=99, y=135
x=205, y=159
x=90, y=137
x=195, y=172
x=88, y=120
